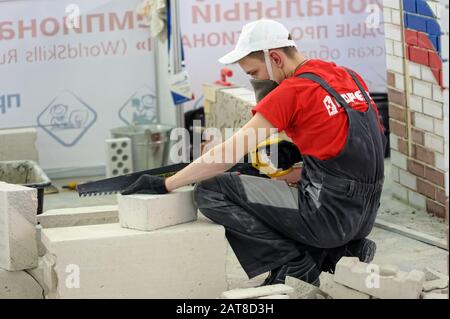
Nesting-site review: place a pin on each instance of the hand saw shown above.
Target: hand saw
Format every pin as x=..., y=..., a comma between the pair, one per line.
x=116, y=184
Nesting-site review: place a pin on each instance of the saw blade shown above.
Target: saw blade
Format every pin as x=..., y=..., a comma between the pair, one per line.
x=116, y=184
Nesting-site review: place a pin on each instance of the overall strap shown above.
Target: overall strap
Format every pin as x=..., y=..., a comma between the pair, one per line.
x=360, y=86
x=326, y=86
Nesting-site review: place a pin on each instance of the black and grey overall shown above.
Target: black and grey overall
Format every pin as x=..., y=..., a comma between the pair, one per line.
x=268, y=223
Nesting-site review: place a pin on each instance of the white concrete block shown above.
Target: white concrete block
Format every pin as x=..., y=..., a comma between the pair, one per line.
x=398, y=49
x=38, y=274
x=433, y=274
x=408, y=180
x=395, y=174
x=118, y=157
x=438, y=94
x=435, y=296
x=302, y=290
x=398, y=159
x=393, y=32
x=387, y=16
x=361, y=276
x=414, y=70
x=19, y=285
x=417, y=200
x=441, y=163
x=399, y=192
x=432, y=108
x=395, y=16
x=181, y=262
x=18, y=144
x=389, y=44
x=435, y=284
x=18, y=245
x=399, y=82
x=427, y=75
x=395, y=4
x=80, y=216
x=439, y=129
x=40, y=247
x=338, y=291
x=434, y=142
x=422, y=88
x=394, y=141
x=424, y=122
x=150, y=212
x=394, y=63
x=415, y=102
x=251, y=293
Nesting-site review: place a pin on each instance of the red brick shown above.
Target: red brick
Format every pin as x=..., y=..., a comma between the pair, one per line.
x=397, y=113
x=411, y=37
x=391, y=79
x=418, y=136
x=435, y=176
x=398, y=128
x=441, y=197
x=427, y=189
x=435, y=209
x=403, y=146
x=438, y=74
x=416, y=168
x=434, y=60
x=424, y=155
x=423, y=41
x=396, y=97
x=418, y=55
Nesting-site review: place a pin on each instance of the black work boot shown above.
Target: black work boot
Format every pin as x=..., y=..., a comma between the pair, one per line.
x=303, y=268
x=364, y=249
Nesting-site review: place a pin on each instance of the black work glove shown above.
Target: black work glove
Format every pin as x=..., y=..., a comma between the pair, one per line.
x=147, y=184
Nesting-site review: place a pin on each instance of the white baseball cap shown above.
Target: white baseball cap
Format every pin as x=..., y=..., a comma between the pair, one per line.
x=259, y=35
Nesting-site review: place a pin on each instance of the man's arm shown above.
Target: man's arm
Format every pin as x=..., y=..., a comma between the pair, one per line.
x=225, y=155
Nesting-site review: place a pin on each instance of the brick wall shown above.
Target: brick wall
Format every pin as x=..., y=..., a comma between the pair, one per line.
x=417, y=52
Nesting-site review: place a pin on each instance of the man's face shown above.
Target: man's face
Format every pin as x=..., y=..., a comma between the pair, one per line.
x=255, y=68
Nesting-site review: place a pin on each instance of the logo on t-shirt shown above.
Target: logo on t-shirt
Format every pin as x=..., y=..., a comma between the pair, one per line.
x=333, y=107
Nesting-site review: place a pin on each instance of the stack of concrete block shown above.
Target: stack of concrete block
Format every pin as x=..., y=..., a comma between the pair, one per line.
x=158, y=250
x=227, y=107
x=355, y=279
x=18, y=144
x=264, y=292
x=435, y=285
x=18, y=245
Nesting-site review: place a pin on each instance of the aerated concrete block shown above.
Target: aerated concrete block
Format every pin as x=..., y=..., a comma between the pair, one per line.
x=275, y=297
x=371, y=280
x=18, y=144
x=151, y=212
x=19, y=285
x=252, y=293
x=302, y=290
x=82, y=216
x=18, y=245
x=338, y=291
x=107, y=261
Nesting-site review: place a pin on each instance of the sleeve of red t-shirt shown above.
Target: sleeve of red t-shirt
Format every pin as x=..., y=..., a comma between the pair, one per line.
x=278, y=107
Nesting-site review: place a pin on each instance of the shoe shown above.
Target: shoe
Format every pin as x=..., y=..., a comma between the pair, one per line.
x=303, y=268
x=364, y=249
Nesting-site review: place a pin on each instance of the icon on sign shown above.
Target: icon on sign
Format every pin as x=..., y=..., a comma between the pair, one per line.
x=67, y=118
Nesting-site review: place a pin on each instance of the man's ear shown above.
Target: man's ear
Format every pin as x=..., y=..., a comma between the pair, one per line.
x=277, y=58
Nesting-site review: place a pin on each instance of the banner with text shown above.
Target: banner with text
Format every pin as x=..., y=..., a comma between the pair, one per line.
x=74, y=70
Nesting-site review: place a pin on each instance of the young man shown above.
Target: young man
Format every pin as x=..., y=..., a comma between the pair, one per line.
x=328, y=113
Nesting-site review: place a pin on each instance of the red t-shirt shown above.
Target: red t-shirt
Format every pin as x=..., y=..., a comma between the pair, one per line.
x=315, y=122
